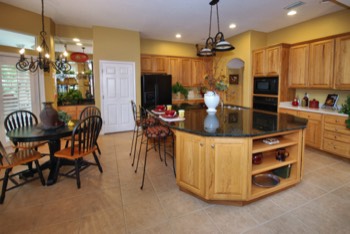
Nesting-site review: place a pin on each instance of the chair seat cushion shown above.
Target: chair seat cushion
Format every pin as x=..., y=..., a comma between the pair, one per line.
x=18, y=158
x=157, y=131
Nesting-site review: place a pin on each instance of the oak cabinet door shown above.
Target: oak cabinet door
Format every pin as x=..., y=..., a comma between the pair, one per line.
x=298, y=66
x=342, y=63
x=174, y=70
x=185, y=64
x=227, y=168
x=273, y=64
x=190, y=162
x=314, y=130
x=321, y=64
x=259, y=63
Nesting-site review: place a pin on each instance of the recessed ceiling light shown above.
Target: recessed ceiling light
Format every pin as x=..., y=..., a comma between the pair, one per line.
x=79, y=44
x=292, y=12
x=232, y=26
x=76, y=39
x=178, y=35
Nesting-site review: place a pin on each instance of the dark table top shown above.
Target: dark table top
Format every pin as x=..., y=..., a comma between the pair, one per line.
x=233, y=121
x=37, y=133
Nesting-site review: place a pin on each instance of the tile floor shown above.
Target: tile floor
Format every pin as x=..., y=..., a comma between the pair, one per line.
x=112, y=202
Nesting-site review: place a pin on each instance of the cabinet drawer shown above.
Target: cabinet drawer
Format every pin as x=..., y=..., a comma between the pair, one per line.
x=337, y=128
x=288, y=111
x=336, y=147
x=336, y=136
x=333, y=119
x=308, y=115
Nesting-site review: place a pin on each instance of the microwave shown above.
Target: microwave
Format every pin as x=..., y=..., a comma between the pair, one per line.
x=266, y=85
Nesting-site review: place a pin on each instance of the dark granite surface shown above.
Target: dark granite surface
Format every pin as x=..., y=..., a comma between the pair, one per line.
x=231, y=121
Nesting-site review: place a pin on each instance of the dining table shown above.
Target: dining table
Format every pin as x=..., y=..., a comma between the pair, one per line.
x=39, y=133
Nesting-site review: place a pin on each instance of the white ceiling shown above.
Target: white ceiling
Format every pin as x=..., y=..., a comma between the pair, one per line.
x=162, y=19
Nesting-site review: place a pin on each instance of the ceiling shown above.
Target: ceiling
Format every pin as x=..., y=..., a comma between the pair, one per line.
x=162, y=19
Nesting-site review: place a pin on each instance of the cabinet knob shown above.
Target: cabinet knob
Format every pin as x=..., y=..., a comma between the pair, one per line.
x=201, y=144
x=336, y=121
x=212, y=146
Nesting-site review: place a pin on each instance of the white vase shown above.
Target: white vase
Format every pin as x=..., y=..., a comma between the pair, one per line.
x=211, y=100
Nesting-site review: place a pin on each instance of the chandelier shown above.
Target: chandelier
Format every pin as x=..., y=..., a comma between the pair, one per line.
x=217, y=43
x=43, y=62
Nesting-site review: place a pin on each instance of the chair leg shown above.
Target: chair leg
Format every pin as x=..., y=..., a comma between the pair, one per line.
x=144, y=166
x=97, y=162
x=165, y=151
x=77, y=172
x=160, y=156
x=137, y=136
x=67, y=142
x=39, y=172
x=4, y=185
x=138, y=157
x=98, y=149
x=132, y=142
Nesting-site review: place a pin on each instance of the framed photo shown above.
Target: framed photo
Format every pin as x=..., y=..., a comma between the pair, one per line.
x=331, y=100
x=233, y=79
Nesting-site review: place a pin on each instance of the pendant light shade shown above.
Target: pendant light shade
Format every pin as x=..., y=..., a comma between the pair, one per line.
x=217, y=43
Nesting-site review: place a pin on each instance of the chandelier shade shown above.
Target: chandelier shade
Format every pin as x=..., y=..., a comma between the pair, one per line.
x=43, y=61
x=218, y=43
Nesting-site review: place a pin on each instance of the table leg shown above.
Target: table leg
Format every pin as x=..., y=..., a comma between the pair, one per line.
x=54, y=146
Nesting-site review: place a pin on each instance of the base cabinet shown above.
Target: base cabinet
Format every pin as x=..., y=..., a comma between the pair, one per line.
x=220, y=169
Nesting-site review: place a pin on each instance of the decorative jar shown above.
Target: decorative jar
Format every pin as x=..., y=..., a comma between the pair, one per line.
x=49, y=116
x=211, y=100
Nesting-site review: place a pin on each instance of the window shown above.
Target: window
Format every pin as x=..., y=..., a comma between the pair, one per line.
x=18, y=40
x=18, y=90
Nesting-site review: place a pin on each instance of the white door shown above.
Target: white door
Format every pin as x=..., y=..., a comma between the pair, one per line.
x=117, y=90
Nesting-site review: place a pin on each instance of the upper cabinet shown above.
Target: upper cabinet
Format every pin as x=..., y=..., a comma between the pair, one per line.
x=268, y=61
x=154, y=64
x=342, y=63
x=321, y=64
x=298, y=65
x=187, y=71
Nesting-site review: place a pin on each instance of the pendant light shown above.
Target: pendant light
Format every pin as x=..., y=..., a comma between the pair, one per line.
x=218, y=43
x=43, y=62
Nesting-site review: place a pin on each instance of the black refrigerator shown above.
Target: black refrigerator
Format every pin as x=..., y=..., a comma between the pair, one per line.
x=155, y=90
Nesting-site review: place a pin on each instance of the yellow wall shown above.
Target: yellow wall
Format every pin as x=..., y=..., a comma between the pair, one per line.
x=73, y=32
x=19, y=20
x=167, y=48
x=112, y=44
x=328, y=25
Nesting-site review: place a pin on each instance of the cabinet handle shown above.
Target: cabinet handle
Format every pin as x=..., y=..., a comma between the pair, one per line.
x=212, y=146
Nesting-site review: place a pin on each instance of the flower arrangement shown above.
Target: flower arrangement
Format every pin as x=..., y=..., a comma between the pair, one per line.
x=215, y=80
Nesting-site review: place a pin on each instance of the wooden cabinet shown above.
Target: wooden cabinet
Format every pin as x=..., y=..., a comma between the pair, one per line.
x=174, y=70
x=190, y=162
x=313, y=135
x=298, y=66
x=73, y=111
x=292, y=143
x=336, y=138
x=227, y=168
x=154, y=64
x=321, y=64
x=197, y=71
x=342, y=63
x=185, y=69
x=259, y=62
x=314, y=130
x=267, y=62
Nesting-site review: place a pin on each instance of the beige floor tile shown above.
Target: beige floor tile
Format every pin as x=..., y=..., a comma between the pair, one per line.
x=72, y=226
x=163, y=228
x=288, y=199
x=231, y=219
x=198, y=222
x=264, y=210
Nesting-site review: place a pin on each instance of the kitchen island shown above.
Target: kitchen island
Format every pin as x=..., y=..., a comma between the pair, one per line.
x=214, y=152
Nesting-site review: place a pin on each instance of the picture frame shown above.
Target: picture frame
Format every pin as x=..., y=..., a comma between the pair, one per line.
x=234, y=79
x=331, y=100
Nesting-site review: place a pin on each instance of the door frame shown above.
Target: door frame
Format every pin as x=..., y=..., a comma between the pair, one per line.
x=101, y=62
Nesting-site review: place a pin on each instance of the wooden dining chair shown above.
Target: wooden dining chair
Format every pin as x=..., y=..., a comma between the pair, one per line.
x=22, y=118
x=83, y=143
x=86, y=112
x=12, y=160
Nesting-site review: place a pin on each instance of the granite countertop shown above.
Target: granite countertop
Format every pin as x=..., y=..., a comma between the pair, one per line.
x=288, y=105
x=232, y=121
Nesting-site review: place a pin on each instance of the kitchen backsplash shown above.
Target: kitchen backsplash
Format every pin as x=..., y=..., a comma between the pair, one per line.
x=321, y=95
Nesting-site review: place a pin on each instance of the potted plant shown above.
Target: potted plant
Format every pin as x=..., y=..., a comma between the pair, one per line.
x=345, y=109
x=179, y=89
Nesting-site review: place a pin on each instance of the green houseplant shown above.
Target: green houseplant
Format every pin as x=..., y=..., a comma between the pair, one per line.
x=179, y=88
x=345, y=109
x=70, y=97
